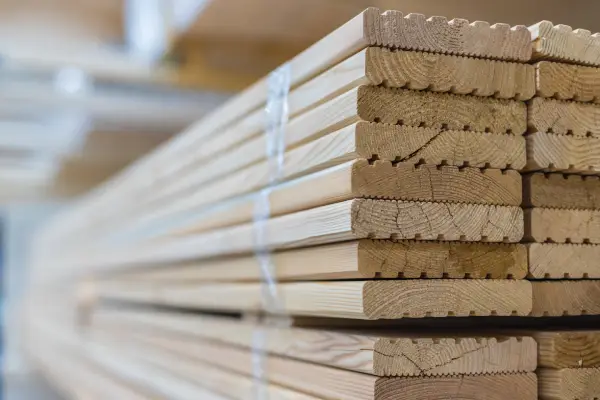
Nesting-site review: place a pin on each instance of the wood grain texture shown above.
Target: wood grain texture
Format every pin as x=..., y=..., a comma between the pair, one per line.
x=441, y=221
x=566, y=298
x=562, y=226
x=561, y=191
x=440, y=110
x=561, y=42
x=368, y=28
x=448, y=73
x=563, y=261
x=564, y=153
x=353, y=219
x=318, y=380
x=568, y=349
x=459, y=148
x=438, y=35
x=437, y=183
x=569, y=384
x=563, y=117
x=371, y=352
x=348, y=299
x=355, y=260
x=567, y=82
x=489, y=387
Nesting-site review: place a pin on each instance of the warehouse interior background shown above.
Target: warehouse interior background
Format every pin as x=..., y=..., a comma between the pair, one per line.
x=88, y=86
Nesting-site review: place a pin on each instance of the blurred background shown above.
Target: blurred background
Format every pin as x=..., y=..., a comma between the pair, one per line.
x=89, y=86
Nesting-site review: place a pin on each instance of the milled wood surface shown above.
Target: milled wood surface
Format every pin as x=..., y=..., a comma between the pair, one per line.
x=561, y=42
x=344, y=299
x=370, y=28
x=437, y=183
x=355, y=260
x=568, y=349
x=564, y=261
x=438, y=35
x=459, y=148
x=441, y=110
x=229, y=171
x=565, y=153
x=562, y=226
x=430, y=221
x=563, y=117
x=556, y=190
x=377, y=353
x=566, y=298
x=489, y=387
x=569, y=384
x=353, y=219
x=321, y=381
x=567, y=82
x=449, y=73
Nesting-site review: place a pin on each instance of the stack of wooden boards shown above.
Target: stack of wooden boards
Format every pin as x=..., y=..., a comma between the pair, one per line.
x=561, y=190
x=403, y=149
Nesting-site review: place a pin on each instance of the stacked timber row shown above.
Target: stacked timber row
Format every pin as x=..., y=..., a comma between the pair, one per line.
x=403, y=146
x=568, y=366
x=561, y=186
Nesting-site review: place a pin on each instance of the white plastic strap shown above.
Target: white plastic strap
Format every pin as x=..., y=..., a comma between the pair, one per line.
x=276, y=114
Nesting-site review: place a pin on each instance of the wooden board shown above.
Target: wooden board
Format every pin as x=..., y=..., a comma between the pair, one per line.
x=567, y=82
x=566, y=298
x=390, y=353
x=569, y=384
x=349, y=299
x=370, y=28
x=563, y=261
x=353, y=219
x=228, y=153
x=561, y=42
x=381, y=180
x=357, y=260
x=320, y=381
x=402, y=144
x=565, y=153
x=561, y=191
x=448, y=73
x=568, y=349
x=365, y=103
x=563, y=117
x=562, y=226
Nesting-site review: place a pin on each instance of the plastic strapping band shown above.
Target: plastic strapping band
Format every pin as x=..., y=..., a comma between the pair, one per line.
x=276, y=114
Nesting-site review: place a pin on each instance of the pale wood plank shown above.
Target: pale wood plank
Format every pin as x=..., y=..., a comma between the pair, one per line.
x=405, y=144
x=562, y=226
x=377, y=353
x=349, y=299
x=561, y=191
x=449, y=73
x=370, y=28
x=565, y=153
x=567, y=82
x=561, y=42
x=569, y=384
x=568, y=349
x=320, y=381
x=563, y=261
x=566, y=298
x=563, y=117
x=354, y=219
x=355, y=260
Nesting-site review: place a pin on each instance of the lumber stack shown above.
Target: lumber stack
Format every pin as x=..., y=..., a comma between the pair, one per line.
x=568, y=364
x=411, y=147
x=561, y=185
